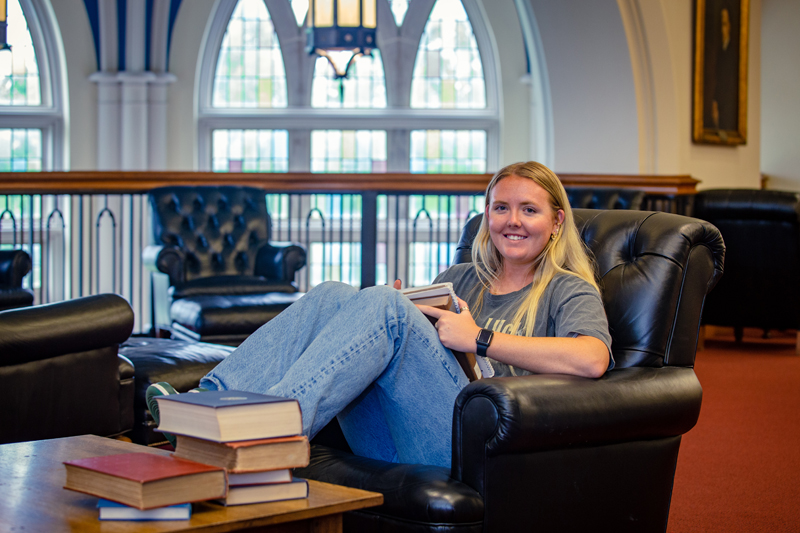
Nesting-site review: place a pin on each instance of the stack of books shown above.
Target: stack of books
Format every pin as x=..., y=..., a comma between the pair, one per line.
x=255, y=438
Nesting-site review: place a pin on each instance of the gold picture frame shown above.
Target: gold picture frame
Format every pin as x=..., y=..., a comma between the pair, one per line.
x=720, y=72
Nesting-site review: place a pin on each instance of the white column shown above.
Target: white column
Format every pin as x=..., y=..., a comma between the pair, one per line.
x=108, y=120
x=133, y=141
x=157, y=114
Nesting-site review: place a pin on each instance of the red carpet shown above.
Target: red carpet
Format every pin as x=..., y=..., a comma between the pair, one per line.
x=739, y=468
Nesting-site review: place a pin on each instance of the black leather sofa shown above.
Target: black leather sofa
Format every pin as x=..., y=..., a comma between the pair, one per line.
x=60, y=374
x=761, y=287
x=563, y=453
x=14, y=265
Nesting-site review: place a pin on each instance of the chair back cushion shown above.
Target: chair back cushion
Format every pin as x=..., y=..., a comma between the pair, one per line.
x=599, y=198
x=653, y=270
x=219, y=229
x=761, y=228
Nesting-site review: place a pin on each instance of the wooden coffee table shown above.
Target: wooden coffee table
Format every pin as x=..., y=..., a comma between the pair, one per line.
x=32, y=497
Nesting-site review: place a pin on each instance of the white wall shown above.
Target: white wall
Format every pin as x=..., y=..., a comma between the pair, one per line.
x=184, y=57
x=76, y=34
x=780, y=93
x=595, y=123
x=503, y=23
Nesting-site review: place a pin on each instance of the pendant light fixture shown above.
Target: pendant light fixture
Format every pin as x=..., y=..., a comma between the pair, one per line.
x=4, y=26
x=341, y=25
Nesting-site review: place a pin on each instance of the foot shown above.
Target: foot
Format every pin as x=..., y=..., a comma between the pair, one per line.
x=155, y=390
x=162, y=388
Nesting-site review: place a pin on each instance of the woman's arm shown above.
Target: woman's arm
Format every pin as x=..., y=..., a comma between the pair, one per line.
x=581, y=356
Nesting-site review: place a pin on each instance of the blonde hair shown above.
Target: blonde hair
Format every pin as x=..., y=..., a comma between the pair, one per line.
x=566, y=253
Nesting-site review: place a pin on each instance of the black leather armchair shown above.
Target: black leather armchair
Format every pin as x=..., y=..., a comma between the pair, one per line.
x=60, y=374
x=14, y=265
x=563, y=453
x=225, y=278
x=761, y=287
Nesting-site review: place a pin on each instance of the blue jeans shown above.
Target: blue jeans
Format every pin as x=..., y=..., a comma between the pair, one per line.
x=368, y=357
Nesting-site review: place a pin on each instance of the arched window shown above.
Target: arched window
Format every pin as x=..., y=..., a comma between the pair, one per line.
x=430, y=88
x=31, y=123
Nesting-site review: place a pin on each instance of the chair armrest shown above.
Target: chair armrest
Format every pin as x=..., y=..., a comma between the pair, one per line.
x=169, y=260
x=14, y=265
x=280, y=262
x=526, y=414
x=79, y=325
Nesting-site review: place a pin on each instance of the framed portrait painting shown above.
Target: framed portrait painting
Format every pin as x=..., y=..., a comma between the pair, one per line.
x=720, y=72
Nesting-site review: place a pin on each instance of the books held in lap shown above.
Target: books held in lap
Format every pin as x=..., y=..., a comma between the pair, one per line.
x=145, y=480
x=439, y=295
x=226, y=416
x=116, y=511
x=271, y=492
x=442, y=296
x=246, y=456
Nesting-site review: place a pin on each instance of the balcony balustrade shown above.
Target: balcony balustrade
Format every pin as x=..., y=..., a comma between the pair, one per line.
x=85, y=231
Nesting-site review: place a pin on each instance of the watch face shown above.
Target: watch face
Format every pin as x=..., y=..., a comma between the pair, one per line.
x=484, y=337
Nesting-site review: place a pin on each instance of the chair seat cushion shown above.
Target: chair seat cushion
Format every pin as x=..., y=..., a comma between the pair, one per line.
x=229, y=315
x=229, y=286
x=181, y=364
x=414, y=494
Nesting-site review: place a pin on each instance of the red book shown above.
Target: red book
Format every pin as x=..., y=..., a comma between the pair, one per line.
x=145, y=480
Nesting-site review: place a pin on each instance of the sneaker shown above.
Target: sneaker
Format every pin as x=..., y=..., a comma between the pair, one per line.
x=162, y=388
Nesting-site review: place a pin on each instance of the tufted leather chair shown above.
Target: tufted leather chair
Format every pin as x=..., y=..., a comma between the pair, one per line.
x=761, y=287
x=600, y=198
x=225, y=278
x=60, y=373
x=564, y=453
x=14, y=265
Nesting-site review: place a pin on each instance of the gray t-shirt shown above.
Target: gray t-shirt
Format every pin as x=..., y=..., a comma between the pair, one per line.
x=569, y=307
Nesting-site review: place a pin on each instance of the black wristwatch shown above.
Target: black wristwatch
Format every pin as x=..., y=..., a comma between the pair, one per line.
x=484, y=339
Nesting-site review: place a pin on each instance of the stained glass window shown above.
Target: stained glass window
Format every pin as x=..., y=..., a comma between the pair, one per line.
x=399, y=8
x=448, y=151
x=348, y=151
x=20, y=150
x=365, y=85
x=448, y=73
x=300, y=8
x=250, y=69
x=19, y=72
x=250, y=151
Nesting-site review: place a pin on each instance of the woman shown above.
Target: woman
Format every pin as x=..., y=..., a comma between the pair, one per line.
x=373, y=360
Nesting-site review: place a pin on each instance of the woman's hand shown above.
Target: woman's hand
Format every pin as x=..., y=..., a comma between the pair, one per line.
x=397, y=284
x=457, y=331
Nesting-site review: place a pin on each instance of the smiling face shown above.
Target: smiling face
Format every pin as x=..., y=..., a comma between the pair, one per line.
x=521, y=220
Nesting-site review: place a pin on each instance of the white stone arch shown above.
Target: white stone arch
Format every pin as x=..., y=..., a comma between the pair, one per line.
x=52, y=114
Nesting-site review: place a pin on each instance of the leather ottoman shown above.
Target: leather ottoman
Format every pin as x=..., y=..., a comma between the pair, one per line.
x=180, y=363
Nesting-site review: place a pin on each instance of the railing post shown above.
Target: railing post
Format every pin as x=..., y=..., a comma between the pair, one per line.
x=369, y=238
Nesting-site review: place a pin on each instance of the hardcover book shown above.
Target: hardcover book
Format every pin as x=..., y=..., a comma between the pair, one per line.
x=283, y=475
x=246, y=456
x=226, y=416
x=296, y=489
x=145, y=480
x=442, y=296
x=116, y=511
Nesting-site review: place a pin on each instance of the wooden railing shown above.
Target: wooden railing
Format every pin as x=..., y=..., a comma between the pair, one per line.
x=86, y=230
x=132, y=182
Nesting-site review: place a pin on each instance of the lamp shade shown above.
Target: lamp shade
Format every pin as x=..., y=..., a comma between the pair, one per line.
x=341, y=25
x=3, y=26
